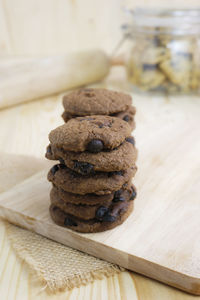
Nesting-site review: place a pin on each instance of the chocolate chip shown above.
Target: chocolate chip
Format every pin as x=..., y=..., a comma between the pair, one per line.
x=110, y=174
x=119, y=173
x=187, y=55
x=55, y=208
x=126, y=118
x=118, y=197
x=83, y=167
x=99, y=124
x=69, y=222
x=156, y=41
x=74, y=174
x=118, y=194
x=54, y=169
x=131, y=140
x=62, y=166
x=49, y=150
x=121, y=199
x=101, y=211
x=125, y=185
x=102, y=125
x=95, y=146
x=149, y=67
x=62, y=161
x=134, y=194
x=109, y=218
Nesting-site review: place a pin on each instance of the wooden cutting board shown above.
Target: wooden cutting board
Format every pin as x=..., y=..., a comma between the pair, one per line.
x=161, y=239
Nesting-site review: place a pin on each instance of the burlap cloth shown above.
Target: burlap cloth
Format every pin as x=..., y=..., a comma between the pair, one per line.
x=57, y=267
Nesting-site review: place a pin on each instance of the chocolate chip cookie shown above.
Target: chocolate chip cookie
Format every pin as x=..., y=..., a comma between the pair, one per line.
x=107, y=221
x=91, y=211
x=86, y=162
x=88, y=101
x=100, y=183
x=94, y=199
x=92, y=183
x=87, y=199
x=93, y=134
x=127, y=116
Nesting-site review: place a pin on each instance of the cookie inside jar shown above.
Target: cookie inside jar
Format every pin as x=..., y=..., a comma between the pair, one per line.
x=164, y=50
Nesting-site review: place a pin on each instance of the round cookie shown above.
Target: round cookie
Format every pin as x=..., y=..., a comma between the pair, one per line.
x=94, y=134
x=88, y=101
x=87, y=199
x=120, y=158
x=100, y=183
x=93, y=225
x=87, y=212
x=127, y=116
x=93, y=199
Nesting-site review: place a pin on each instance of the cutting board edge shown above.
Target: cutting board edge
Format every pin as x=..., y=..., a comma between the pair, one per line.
x=129, y=261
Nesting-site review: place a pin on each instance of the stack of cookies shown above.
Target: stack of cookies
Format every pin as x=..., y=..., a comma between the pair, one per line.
x=92, y=183
x=87, y=102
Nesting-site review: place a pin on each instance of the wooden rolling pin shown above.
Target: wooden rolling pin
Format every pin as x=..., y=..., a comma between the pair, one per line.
x=30, y=79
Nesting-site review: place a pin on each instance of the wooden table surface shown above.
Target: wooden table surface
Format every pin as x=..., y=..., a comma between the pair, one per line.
x=17, y=282
x=24, y=131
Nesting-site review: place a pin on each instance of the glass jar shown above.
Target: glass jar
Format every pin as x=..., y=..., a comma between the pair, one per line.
x=164, y=50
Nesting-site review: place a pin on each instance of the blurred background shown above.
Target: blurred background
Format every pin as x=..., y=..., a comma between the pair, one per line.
x=51, y=46
x=34, y=27
x=160, y=50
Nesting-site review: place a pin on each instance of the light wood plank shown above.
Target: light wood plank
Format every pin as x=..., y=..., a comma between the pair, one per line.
x=167, y=136
x=128, y=286
x=57, y=27
x=6, y=46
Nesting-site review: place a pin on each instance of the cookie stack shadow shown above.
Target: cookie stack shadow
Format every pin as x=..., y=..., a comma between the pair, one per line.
x=92, y=187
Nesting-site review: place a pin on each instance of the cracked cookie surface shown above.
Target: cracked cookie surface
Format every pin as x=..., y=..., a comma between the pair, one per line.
x=100, y=183
x=92, y=133
x=86, y=162
x=94, y=225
